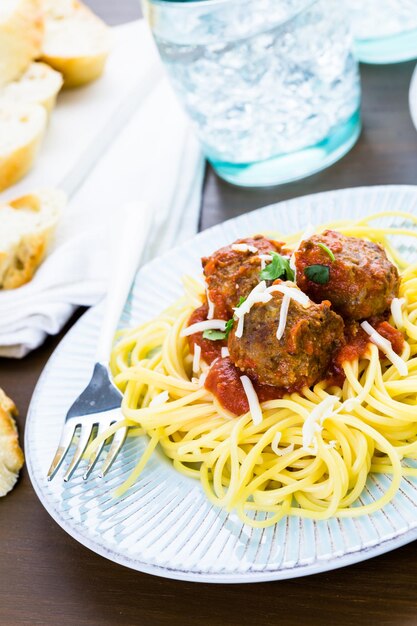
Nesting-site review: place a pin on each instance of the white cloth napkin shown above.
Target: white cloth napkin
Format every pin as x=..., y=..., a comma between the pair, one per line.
x=140, y=147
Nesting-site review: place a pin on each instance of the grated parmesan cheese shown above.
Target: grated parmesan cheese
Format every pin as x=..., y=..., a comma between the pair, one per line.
x=202, y=326
x=243, y=247
x=202, y=379
x=314, y=421
x=225, y=352
x=265, y=258
x=309, y=231
x=262, y=294
x=396, y=311
x=257, y=295
x=284, y=451
x=293, y=292
x=239, y=328
x=196, y=358
x=253, y=401
x=386, y=347
x=288, y=293
x=161, y=398
x=283, y=315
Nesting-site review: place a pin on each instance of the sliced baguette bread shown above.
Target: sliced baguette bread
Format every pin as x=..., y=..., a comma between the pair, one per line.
x=40, y=84
x=21, y=34
x=22, y=127
x=26, y=227
x=76, y=41
x=11, y=456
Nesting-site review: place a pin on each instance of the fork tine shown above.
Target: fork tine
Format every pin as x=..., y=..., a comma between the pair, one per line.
x=85, y=434
x=95, y=455
x=67, y=436
x=117, y=443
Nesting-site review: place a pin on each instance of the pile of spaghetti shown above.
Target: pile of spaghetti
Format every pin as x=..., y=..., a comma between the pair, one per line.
x=366, y=423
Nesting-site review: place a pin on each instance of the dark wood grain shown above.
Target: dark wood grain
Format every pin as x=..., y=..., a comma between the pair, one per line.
x=48, y=579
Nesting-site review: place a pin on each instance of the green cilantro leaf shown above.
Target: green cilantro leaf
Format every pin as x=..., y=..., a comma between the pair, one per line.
x=319, y=274
x=278, y=268
x=241, y=301
x=215, y=335
x=327, y=251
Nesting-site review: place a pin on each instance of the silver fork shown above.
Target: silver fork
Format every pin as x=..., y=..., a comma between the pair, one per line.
x=98, y=406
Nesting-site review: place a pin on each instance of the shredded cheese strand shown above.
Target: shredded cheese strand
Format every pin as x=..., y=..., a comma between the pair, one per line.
x=283, y=315
x=386, y=347
x=196, y=358
x=293, y=292
x=254, y=406
x=396, y=312
x=199, y=327
x=244, y=247
x=315, y=420
x=258, y=295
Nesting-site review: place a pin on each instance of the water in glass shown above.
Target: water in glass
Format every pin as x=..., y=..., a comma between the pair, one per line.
x=271, y=85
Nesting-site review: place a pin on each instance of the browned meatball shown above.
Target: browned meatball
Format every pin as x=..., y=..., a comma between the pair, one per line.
x=361, y=281
x=302, y=355
x=232, y=274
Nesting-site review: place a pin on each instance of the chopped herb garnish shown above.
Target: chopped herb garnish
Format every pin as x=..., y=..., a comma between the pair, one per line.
x=319, y=274
x=278, y=268
x=215, y=335
x=327, y=251
x=241, y=301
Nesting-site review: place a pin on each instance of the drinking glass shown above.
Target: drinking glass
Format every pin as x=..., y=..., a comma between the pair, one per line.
x=271, y=85
x=385, y=31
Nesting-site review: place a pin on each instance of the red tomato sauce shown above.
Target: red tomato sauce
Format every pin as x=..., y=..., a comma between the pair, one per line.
x=210, y=350
x=393, y=335
x=357, y=341
x=223, y=380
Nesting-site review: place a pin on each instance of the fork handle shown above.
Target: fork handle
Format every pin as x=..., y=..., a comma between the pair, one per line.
x=133, y=237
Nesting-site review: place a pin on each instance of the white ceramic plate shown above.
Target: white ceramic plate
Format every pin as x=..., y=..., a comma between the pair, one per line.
x=413, y=97
x=164, y=525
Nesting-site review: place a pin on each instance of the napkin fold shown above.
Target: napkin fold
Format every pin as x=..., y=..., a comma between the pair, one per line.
x=143, y=149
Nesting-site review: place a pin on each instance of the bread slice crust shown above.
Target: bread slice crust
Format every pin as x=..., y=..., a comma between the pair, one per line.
x=11, y=455
x=21, y=37
x=22, y=127
x=76, y=43
x=40, y=84
x=26, y=250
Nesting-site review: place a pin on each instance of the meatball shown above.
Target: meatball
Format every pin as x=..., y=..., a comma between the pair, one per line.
x=232, y=273
x=302, y=355
x=359, y=283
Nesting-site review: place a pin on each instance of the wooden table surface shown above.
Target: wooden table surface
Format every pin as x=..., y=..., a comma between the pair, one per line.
x=46, y=578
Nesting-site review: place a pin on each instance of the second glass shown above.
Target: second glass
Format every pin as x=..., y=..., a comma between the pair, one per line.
x=271, y=85
x=385, y=31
